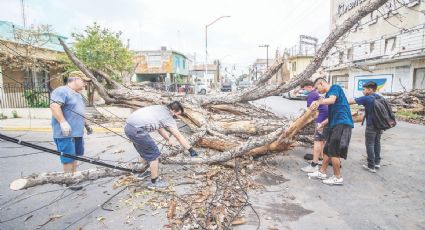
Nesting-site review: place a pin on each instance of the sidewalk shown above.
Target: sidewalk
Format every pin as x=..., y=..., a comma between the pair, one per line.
x=43, y=125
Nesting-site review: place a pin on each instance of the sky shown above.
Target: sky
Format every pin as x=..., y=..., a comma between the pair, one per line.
x=180, y=25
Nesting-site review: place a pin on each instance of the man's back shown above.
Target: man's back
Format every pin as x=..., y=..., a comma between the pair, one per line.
x=339, y=112
x=151, y=118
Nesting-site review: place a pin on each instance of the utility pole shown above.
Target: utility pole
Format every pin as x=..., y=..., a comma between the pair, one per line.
x=267, y=50
x=206, y=43
x=23, y=13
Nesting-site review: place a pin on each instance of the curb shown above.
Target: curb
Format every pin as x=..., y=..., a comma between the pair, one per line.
x=49, y=129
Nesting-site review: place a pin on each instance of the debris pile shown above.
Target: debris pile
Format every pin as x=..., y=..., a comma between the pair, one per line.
x=408, y=106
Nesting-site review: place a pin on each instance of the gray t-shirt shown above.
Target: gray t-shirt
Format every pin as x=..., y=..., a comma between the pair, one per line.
x=152, y=118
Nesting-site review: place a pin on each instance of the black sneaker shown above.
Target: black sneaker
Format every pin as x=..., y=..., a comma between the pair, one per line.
x=75, y=187
x=308, y=156
x=144, y=175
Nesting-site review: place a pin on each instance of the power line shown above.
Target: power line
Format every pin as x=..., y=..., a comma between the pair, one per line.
x=91, y=161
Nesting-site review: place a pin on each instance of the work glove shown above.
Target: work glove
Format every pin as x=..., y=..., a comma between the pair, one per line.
x=88, y=129
x=65, y=128
x=192, y=152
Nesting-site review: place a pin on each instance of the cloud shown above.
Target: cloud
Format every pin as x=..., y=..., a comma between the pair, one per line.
x=180, y=25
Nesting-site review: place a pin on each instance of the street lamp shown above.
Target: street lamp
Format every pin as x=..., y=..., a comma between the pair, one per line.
x=267, y=48
x=206, y=42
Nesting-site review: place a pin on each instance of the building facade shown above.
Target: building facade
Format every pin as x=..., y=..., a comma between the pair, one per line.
x=164, y=66
x=387, y=46
x=30, y=66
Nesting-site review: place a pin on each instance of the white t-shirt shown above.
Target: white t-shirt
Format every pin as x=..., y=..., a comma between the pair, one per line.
x=152, y=118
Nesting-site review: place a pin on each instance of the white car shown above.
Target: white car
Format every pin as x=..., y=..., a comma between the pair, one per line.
x=202, y=88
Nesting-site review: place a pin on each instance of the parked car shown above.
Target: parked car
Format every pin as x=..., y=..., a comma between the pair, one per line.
x=226, y=87
x=243, y=84
x=202, y=88
x=185, y=88
x=292, y=96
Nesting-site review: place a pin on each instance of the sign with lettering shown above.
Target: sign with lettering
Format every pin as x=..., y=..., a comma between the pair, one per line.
x=384, y=82
x=346, y=6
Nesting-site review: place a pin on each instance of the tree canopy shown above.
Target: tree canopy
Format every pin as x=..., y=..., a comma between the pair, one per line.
x=101, y=49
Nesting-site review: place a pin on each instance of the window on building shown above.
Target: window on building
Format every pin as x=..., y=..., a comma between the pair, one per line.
x=389, y=8
x=419, y=79
x=411, y=3
x=341, y=80
x=350, y=54
x=38, y=80
x=154, y=61
x=373, y=17
x=341, y=57
x=371, y=47
x=390, y=44
x=294, y=66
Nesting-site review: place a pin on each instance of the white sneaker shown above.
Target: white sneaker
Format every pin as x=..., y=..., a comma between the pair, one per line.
x=333, y=180
x=377, y=166
x=310, y=169
x=317, y=174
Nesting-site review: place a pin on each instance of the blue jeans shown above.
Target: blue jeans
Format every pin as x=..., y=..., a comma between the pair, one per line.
x=373, y=146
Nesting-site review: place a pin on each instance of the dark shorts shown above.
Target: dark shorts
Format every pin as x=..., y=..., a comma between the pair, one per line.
x=319, y=136
x=70, y=145
x=338, y=140
x=143, y=142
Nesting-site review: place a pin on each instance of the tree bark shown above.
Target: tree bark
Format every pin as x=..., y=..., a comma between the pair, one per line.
x=69, y=178
x=100, y=89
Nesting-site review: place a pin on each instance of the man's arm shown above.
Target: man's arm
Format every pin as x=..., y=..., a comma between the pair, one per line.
x=352, y=101
x=180, y=138
x=164, y=133
x=328, y=101
x=57, y=112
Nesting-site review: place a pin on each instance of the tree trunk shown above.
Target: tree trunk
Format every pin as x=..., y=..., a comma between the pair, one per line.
x=229, y=123
x=69, y=178
x=100, y=89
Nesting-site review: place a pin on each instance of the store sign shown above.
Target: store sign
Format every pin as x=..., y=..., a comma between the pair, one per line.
x=383, y=81
x=346, y=6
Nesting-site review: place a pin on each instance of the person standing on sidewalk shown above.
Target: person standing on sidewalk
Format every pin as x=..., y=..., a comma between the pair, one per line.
x=151, y=118
x=340, y=124
x=67, y=106
x=372, y=135
x=319, y=137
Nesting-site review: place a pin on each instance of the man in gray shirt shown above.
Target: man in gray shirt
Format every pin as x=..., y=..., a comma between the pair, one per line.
x=151, y=118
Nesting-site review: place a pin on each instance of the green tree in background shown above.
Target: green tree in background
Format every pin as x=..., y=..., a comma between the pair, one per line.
x=101, y=49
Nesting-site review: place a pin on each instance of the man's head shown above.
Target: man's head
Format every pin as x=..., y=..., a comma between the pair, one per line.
x=369, y=88
x=321, y=85
x=307, y=85
x=77, y=80
x=176, y=108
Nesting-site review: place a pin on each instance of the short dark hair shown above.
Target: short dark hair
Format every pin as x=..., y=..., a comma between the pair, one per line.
x=176, y=106
x=320, y=79
x=306, y=83
x=370, y=85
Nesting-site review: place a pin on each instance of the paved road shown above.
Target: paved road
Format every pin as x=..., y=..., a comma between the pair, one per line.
x=393, y=198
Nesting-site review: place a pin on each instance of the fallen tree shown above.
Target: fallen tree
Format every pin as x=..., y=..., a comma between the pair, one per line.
x=230, y=120
x=226, y=126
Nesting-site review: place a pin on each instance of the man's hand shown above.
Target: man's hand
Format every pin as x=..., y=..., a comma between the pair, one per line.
x=192, y=152
x=171, y=143
x=314, y=105
x=88, y=129
x=319, y=128
x=65, y=128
